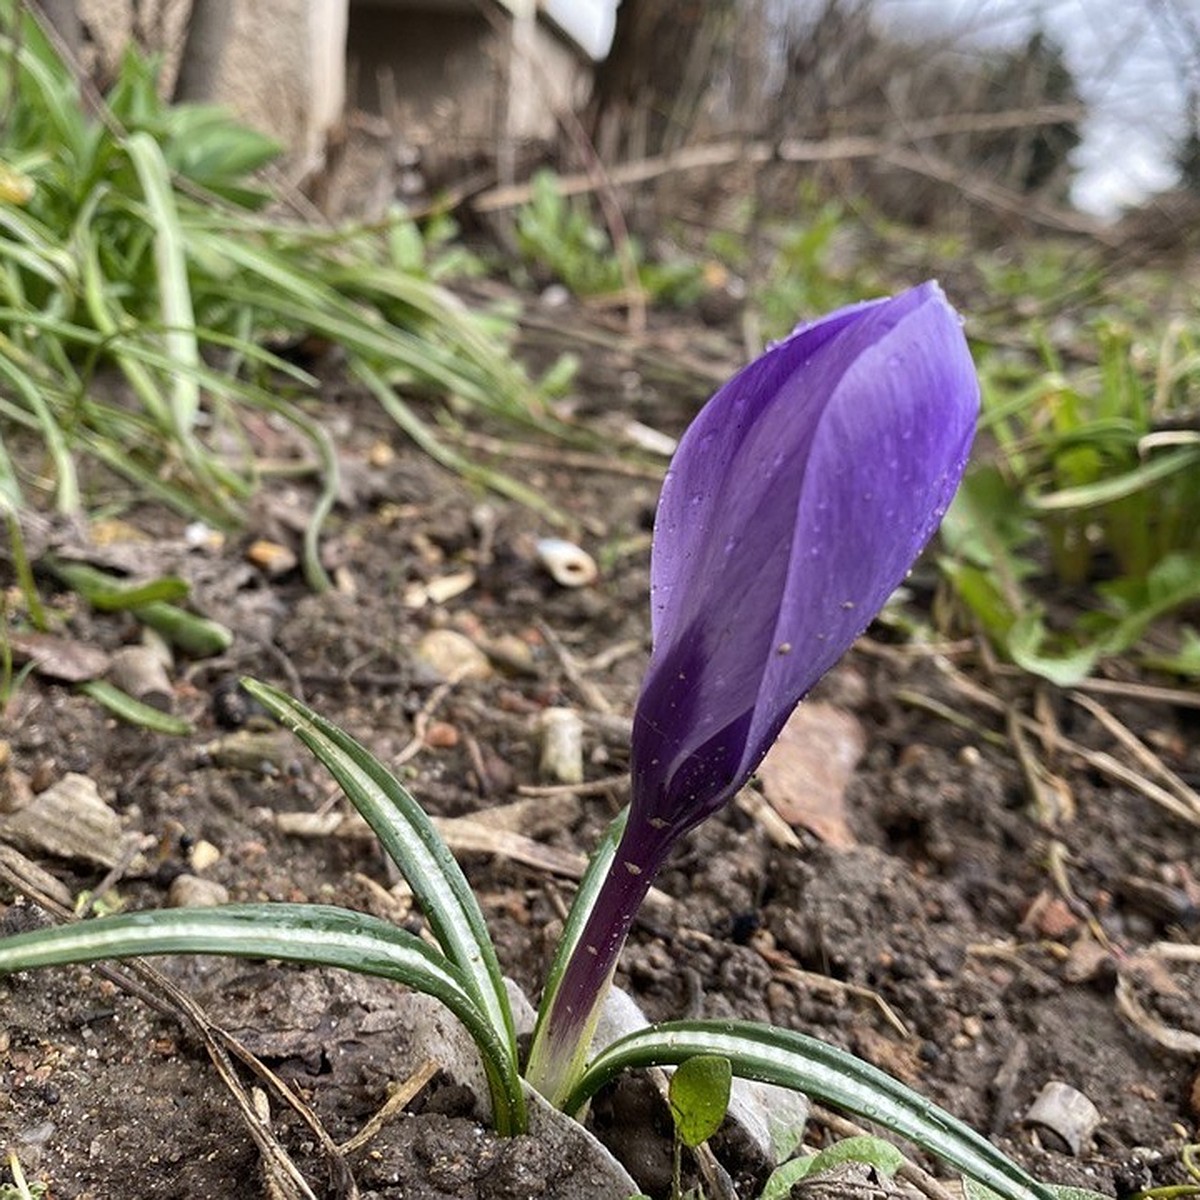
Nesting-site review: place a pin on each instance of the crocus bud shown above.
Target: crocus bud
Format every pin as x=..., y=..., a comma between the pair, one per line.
x=794, y=506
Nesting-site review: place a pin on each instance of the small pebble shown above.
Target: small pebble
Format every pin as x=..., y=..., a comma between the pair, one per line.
x=452, y=655
x=562, y=745
x=381, y=454
x=271, y=558
x=203, y=855
x=190, y=891
x=440, y=735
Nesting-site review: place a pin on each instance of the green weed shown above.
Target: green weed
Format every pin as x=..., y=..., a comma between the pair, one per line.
x=1081, y=533
x=559, y=237
x=133, y=241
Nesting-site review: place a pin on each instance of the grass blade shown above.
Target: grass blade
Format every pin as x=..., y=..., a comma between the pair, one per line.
x=67, y=491
x=1116, y=487
x=128, y=708
x=174, y=293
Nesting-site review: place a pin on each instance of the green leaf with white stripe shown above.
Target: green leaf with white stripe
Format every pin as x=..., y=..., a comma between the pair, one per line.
x=314, y=934
x=416, y=847
x=581, y=908
x=824, y=1072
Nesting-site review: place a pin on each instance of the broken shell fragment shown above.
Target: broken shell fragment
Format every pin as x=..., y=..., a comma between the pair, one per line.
x=140, y=671
x=562, y=745
x=567, y=564
x=1066, y=1112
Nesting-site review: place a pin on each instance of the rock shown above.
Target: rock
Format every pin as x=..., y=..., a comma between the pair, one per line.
x=203, y=855
x=271, y=558
x=249, y=750
x=441, y=735
x=15, y=788
x=190, y=891
x=452, y=655
x=70, y=820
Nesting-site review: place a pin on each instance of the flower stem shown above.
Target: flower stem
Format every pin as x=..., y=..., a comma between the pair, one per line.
x=564, y=1033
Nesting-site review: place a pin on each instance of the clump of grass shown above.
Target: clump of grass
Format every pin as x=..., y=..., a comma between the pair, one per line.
x=134, y=239
x=556, y=235
x=1089, y=501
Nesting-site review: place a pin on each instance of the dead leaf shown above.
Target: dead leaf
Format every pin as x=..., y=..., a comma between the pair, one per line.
x=805, y=774
x=60, y=657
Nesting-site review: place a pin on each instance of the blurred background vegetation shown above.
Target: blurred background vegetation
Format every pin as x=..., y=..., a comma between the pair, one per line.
x=169, y=274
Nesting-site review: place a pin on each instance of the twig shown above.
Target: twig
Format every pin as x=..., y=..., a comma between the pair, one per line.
x=1175, y=952
x=1148, y=759
x=814, y=982
x=667, y=361
x=398, y=1100
x=116, y=872
x=577, y=460
x=1098, y=759
x=950, y=715
x=795, y=150
x=594, y=787
x=421, y=720
x=1131, y=1008
x=589, y=692
x=1141, y=691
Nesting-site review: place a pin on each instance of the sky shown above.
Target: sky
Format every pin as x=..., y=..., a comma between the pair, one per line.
x=1129, y=64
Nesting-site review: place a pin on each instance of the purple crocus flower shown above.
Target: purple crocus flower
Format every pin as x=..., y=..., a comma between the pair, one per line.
x=795, y=505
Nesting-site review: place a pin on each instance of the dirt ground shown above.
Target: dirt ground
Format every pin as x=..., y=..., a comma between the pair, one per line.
x=974, y=934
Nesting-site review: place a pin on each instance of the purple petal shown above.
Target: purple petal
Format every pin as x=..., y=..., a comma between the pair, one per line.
x=796, y=504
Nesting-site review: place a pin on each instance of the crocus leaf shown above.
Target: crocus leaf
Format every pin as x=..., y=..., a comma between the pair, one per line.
x=830, y=1075
x=414, y=845
x=304, y=933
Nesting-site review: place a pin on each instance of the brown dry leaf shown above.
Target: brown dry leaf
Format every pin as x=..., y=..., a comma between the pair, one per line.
x=60, y=657
x=805, y=773
x=899, y=1059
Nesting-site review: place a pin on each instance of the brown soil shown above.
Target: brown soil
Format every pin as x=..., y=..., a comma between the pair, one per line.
x=994, y=933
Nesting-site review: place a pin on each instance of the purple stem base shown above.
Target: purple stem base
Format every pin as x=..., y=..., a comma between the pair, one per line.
x=573, y=1013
